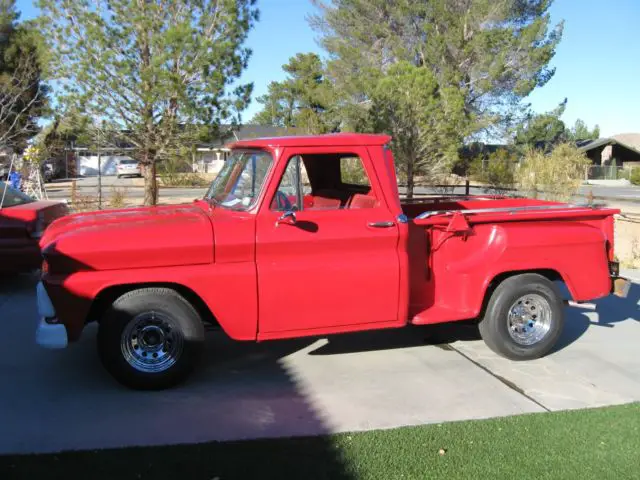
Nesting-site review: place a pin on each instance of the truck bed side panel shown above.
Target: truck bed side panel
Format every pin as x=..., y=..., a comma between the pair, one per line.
x=450, y=283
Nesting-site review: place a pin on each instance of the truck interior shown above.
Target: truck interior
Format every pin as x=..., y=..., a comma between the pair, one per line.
x=325, y=182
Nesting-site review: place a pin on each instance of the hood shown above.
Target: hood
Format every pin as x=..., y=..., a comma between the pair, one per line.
x=129, y=238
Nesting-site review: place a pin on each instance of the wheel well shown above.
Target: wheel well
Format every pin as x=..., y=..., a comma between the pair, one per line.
x=110, y=294
x=550, y=274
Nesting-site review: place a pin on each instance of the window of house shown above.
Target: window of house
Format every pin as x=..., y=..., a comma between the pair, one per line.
x=324, y=182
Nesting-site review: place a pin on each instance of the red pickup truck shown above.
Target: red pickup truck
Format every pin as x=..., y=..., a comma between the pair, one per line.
x=308, y=236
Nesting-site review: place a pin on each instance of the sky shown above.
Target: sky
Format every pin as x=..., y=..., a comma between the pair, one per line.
x=597, y=62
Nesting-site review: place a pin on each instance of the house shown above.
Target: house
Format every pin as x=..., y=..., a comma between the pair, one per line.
x=617, y=151
x=209, y=157
x=206, y=157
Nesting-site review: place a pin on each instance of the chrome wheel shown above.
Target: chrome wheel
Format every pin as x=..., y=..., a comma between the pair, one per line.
x=529, y=319
x=151, y=342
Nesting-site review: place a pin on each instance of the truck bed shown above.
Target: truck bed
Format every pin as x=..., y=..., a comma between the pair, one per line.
x=421, y=208
x=463, y=239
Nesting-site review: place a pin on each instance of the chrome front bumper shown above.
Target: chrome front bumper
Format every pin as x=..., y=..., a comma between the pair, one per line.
x=49, y=333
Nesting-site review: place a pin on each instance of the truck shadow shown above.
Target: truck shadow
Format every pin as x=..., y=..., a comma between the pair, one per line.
x=610, y=311
x=412, y=336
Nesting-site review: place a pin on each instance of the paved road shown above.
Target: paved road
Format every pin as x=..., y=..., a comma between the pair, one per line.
x=59, y=400
x=89, y=186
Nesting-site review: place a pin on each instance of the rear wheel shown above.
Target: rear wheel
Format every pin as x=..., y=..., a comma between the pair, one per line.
x=150, y=339
x=524, y=317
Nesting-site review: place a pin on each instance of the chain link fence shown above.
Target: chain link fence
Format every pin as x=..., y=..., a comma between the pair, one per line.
x=599, y=172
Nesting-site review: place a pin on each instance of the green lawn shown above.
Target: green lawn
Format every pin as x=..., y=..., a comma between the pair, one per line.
x=599, y=444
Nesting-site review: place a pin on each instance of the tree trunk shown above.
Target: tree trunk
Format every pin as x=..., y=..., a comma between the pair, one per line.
x=410, y=178
x=150, y=183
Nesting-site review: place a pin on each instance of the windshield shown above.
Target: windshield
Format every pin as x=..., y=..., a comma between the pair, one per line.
x=12, y=197
x=240, y=181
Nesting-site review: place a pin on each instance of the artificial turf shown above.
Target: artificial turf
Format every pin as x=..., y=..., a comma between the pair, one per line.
x=582, y=444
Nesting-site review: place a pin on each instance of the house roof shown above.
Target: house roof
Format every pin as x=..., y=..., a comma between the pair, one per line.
x=227, y=134
x=246, y=132
x=627, y=140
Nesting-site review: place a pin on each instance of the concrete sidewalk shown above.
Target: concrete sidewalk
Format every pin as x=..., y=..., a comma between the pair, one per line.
x=59, y=400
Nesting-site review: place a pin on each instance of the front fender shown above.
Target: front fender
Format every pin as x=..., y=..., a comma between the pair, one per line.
x=228, y=291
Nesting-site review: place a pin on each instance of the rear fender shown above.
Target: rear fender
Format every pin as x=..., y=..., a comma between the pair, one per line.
x=465, y=267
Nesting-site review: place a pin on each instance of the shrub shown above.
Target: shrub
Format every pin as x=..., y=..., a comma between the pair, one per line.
x=497, y=172
x=118, y=197
x=176, y=171
x=556, y=176
x=183, y=180
x=81, y=203
x=634, y=176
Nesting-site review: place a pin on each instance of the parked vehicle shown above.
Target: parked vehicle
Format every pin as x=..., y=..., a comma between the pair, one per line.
x=308, y=236
x=128, y=168
x=48, y=171
x=22, y=222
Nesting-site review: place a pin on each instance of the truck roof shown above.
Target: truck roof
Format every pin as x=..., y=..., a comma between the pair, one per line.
x=330, y=139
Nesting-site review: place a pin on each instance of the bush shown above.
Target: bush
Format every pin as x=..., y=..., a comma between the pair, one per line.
x=176, y=171
x=118, y=197
x=82, y=203
x=183, y=180
x=634, y=176
x=556, y=176
x=497, y=172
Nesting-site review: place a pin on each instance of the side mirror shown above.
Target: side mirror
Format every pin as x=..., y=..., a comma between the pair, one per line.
x=288, y=218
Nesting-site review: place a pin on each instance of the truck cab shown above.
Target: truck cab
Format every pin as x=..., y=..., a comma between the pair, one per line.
x=308, y=236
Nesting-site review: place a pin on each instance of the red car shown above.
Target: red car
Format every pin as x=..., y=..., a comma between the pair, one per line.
x=308, y=236
x=22, y=223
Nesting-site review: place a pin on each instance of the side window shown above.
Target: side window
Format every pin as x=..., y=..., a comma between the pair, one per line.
x=324, y=182
x=288, y=196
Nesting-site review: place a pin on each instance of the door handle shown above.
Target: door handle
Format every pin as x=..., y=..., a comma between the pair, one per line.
x=381, y=224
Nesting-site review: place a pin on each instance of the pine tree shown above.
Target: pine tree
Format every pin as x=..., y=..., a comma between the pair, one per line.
x=157, y=73
x=305, y=100
x=23, y=96
x=495, y=52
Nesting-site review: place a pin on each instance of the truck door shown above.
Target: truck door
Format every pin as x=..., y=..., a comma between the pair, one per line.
x=326, y=246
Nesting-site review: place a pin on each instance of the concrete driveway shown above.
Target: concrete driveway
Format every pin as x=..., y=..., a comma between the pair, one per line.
x=59, y=400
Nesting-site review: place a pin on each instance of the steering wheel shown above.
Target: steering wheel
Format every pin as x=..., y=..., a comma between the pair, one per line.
x=283, y=202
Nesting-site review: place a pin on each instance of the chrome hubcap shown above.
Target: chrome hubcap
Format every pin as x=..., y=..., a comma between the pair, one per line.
x=529, y=319
x=151, y=342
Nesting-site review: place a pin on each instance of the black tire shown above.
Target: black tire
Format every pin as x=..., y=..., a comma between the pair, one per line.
x=118, y=176
x=150, y=315
x=495, y=325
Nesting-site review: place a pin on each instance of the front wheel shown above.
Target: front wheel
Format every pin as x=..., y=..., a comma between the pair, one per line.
x=524, y=317
x=150, y=339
